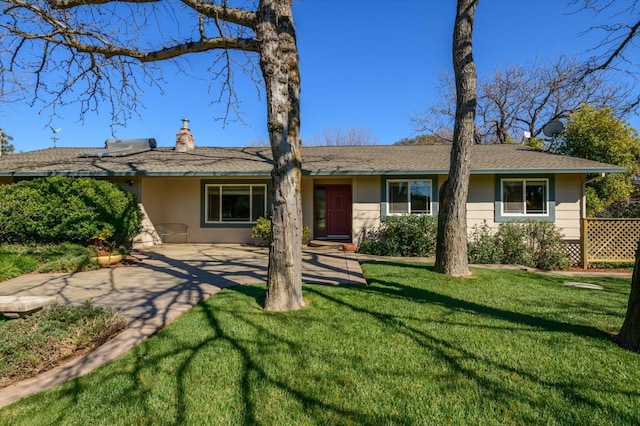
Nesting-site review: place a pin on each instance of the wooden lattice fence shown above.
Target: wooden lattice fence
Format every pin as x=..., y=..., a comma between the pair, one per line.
x=609, y=240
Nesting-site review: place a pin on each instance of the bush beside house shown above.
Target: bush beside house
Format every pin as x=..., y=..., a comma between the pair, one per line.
x=536, y=244
x=407, y=235
x=62, y=209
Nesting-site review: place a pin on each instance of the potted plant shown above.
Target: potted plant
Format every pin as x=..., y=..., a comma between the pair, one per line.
x=105, y=252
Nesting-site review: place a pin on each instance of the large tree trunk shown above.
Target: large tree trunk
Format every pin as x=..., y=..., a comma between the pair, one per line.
x=451, y=244
x=629, y=335
x=279, y=62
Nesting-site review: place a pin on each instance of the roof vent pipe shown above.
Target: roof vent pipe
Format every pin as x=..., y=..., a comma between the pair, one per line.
x=184, y=138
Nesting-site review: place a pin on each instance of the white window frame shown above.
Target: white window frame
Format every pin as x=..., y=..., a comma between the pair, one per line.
x=221, y=187
x=409, y=182
x=524, y=200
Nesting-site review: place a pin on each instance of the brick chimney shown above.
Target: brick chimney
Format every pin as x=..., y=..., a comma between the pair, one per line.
x=184, y=138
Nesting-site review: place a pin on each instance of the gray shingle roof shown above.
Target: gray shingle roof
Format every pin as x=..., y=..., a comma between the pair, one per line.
x=323, y=160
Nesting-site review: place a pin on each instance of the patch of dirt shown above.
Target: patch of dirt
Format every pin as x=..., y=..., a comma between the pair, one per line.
x=608, y=270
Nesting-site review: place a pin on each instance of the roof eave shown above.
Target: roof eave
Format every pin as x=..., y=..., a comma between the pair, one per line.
x=307, y=172
x=575, y=170
x=130, y=173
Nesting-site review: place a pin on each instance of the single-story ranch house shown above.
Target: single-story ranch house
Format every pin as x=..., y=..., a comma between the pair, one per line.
x=220, y=192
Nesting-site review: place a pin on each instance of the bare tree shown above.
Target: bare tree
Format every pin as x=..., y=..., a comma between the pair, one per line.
x=523, y=98
x=619, y=38
x=95, y=51
x=451, y=243
x=351, y=136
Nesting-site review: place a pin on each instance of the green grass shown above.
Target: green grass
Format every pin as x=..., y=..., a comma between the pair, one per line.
x=415, y=347
x=18, y=259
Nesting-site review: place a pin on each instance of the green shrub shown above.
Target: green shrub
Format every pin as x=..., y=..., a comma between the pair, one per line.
x=483, y=247
x=62, y=209
x=406, y=235
x=371, y=246
x=537, y=244
x=262, y=230
x=512, y=240
x=548, y=250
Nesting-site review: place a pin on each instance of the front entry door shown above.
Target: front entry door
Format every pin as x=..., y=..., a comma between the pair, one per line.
x=332, y=211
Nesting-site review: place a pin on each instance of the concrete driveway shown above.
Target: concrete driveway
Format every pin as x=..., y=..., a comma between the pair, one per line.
x=167, y=281
x=177, y=276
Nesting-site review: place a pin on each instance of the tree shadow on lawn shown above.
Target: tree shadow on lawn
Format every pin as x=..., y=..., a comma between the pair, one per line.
x=393, y=289
x=254, y=373
x=253, y=370
x=457, y=355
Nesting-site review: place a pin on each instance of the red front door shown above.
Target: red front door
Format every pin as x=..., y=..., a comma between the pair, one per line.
x=332, y=211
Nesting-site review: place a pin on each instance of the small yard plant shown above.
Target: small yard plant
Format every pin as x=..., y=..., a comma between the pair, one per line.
x=262, y=230
x=48, y=337
x=103, y=247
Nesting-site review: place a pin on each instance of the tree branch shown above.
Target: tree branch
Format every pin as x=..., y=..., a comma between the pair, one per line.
x=617, y=52
x=228, y=14
x=68, y=4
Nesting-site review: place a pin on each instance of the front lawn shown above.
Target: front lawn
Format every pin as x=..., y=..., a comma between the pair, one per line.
x=18, y=259
x=415, y=347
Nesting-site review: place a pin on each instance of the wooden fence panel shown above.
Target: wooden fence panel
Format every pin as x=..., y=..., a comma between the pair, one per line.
x=609, y=240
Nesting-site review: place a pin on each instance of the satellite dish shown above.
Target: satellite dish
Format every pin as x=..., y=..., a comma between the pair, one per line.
x=553, y=128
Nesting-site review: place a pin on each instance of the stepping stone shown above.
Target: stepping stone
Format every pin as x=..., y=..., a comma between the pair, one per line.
x=583, y=285
x=17, y=306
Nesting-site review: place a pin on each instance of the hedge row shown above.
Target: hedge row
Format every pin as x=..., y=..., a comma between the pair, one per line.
x=536, y=244
x=63, y=209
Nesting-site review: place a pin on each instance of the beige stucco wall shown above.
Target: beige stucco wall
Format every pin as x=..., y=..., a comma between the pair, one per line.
x=366, y=204
x=178, y=199
x=128, y=183
x=569, y=190
x=480, y=201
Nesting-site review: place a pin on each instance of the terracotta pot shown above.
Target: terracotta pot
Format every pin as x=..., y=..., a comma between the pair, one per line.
x=349, y=247
x=108, y=259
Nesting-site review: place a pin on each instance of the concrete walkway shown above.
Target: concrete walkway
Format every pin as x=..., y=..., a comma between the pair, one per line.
x=166, y=282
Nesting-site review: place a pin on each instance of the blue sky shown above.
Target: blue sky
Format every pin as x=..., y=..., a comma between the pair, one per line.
x=368, y=64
